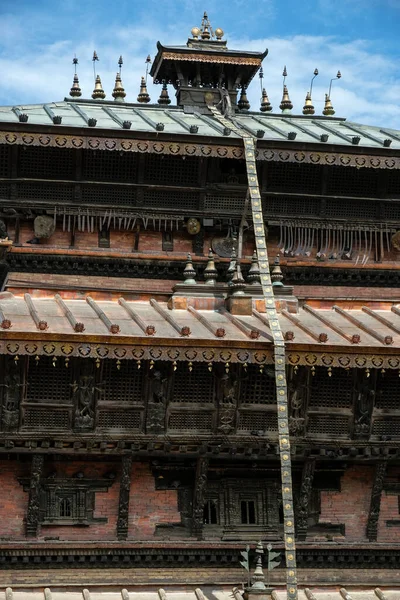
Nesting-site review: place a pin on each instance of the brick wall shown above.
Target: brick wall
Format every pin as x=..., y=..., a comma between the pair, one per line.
x=390, y=510
x=147, y=506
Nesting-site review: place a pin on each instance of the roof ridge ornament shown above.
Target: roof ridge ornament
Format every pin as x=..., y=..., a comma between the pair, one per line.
x=119, y=92
x=286, y=104
x=98, y=92
x=328, y=109
x=308, y=108
x=205, y=32
x=143, y=96
x=75, y=90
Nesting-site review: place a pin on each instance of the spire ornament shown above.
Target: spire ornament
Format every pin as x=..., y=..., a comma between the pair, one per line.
x=237, y=284
x=75, y=90
x=243, y=103
x=253, y=276
x=118, y=92
x=328, y=109
x=98, y=92
x=286, y=104
x=143, y=96
x=210, y=272
x=164, y=96
x=265, y=103
x=308, y=108
x=276, y=273
x=232, y=266
x=189, y=273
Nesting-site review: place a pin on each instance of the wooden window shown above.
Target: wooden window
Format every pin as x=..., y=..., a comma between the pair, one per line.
x=248, y=512
x=210, y=514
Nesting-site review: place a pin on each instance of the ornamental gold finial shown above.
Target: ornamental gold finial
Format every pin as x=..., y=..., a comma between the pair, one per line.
x=308, y=108
x=98, y=92
x=205, y=32
x=205, y=28
x=265, y=103
x=164, y=97
x=328, y=109
x=143, y=93
x=75, y=90
x=118, y=92
x=286, y=104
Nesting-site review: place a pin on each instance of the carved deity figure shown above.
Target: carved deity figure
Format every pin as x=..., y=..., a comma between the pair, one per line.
x=296, y=392
x=84, y=396
x=11, y=398
x=229, y=388
x=224, y=104
x=365, y=397
x=3, y=230
x=157, y=401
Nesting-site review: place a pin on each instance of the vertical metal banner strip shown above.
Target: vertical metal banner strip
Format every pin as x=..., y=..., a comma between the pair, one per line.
x=279, y=351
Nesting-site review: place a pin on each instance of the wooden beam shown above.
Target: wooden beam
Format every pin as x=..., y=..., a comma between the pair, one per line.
x=309, y=594
x=318, y=337
x=183, y=331
x=33, y=513
x=253, y=333
x=264, y=321
x=124, y=493
x=218, y=333
x=345, y=594
x=200, y=486
x=381, y=319
x=76, y=325
x=375, y=504
x=307, y=479
x=112, y=327
x=384, y=339
x=380, y=594
x=40, y=324
x=147, y=329
x=353, y=339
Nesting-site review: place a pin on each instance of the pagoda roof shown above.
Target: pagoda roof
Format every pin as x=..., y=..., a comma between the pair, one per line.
x=175, y=121
x=201, y=320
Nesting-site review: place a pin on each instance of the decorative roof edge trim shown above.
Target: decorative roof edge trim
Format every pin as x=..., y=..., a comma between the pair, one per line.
x=82, y=142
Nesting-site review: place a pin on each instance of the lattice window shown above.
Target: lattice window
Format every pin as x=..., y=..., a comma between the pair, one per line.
x=193, y=386
x=393, y=183
x=171, y=170
x=291, y=206
x=46, y=163
x=124, y=385
x=190, y=420
x=43, y=418
x=109, y=166
x=51, y=192
x=388, y=391
x=257, y=421
x=342, y=209
x=387, y=427
x=352, y=182
x=4, y=160
x=331, y=392
x=231, y=204
x=286, y=177
x=171, y=200
x=328, y=425
x=119, y=419
x=109, y=194
x=392, y=210
x=48, y=383
x=4, y=190
x=257, y=388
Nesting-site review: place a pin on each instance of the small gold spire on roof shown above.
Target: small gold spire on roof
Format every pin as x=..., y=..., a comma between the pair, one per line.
x=143, y=94
x=265, y=103
x=328, y=110
x=243, y=103
x=308, y=108
x=286, y=104
x=205, y=28
x=164, y=97
x=118, y=92
x=98, y=92
x=75, y=90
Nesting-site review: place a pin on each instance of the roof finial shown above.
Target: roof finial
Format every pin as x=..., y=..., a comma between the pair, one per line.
x=243, y=103
x=98, y=92
x=285, y=105
x=232, y=265
x=276, y=273
x=164, y=97
x=328, y=109
x=143, y=94
x=210, y=272
x=308, y=108
x=189, y=273
x=118, y=92
x=253, y=276
x=206, y=30
x=237, y=283
x=75, y=90
x=265, y=103
x=94, y=59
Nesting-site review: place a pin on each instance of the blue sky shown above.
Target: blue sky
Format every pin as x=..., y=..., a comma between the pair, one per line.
x=360, y=37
